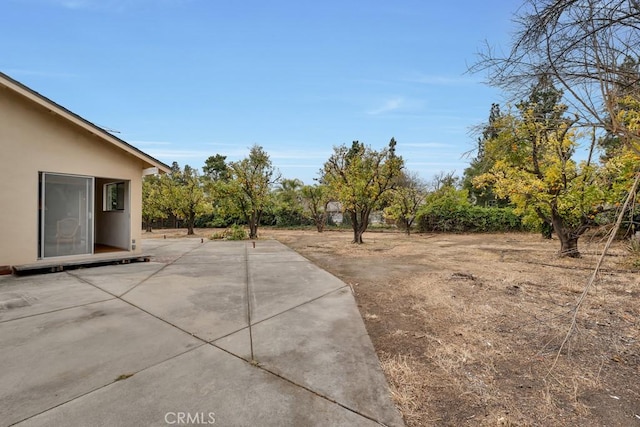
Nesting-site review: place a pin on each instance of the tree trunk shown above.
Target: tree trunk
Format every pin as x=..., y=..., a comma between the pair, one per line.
x=147, y=227
x=253, y=226
x=253, y=230
x=359, y=226
x=357, y=236
x=190, y=227
x=568, y=238
x=320, y=220
x=407, y=227
x=191, y=220
x=569, y=245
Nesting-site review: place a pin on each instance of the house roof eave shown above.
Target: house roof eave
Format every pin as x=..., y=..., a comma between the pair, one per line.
x=21, y=89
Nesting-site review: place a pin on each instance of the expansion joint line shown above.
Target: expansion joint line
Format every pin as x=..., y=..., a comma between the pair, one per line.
x=248, y=296
x=167, y=264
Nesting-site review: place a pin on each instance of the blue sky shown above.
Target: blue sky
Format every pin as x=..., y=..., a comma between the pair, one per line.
x=186, y=79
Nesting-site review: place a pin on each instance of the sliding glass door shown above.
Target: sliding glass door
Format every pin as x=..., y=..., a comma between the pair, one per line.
x=66, y=215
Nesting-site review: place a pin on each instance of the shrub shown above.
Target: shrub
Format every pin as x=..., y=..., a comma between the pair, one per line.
x=448, y=210
x=218, y=236
x=468, y=219
x=235, y=232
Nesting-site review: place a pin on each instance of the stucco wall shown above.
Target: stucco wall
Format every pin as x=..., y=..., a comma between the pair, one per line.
x=34, y=139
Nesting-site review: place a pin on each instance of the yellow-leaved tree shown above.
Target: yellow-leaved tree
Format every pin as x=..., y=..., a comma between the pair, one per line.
x=534, y=150
x=361, y=179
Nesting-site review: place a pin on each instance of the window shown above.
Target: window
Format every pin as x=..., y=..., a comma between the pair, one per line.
x=114, y=196
x=66, y=215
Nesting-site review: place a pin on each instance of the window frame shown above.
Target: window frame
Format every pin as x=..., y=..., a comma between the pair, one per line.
x=111, y=204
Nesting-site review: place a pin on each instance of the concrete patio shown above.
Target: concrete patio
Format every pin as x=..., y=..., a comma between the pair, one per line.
x=207, y=333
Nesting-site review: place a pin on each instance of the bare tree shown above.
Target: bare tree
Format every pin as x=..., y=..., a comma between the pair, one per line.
x=443, y=180
x=582, y=46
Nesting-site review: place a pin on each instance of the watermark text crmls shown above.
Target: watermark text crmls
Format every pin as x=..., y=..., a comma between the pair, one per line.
x=184, y=418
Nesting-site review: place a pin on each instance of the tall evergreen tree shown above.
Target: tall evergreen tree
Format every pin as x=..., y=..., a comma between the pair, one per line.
x=482, y=163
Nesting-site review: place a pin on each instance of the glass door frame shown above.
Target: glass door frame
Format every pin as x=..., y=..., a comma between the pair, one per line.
x=87, y=225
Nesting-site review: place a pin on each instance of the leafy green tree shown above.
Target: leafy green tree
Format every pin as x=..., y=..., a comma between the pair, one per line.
x=184, y=192
x=406, y=199
x=154, y=204
x=289, y=189
x=216, y=178
x=534, y=167
x=315, y=199
x=249, y=186
x=288, y=208
x=361, y=179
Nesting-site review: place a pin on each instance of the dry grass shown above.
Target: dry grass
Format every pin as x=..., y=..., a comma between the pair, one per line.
x=467, y=326
x=405, y=380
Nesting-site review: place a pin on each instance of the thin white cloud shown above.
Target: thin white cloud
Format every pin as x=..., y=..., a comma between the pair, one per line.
x=157, y=149
x=300, y=166
x=148, y=143
x=222, y=144
x=424, y=144
x=242, y=150
x=440, y=80
x=294, y=154
x=438, y=164
x=178, y=154
x=74, y=4
x=436, y=156
x=164, y=149
x=81, y=4
x=389, y=106
x=118, y=5
x=233, y=150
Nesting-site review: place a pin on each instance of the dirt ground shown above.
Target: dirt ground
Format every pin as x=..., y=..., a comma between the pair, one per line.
x=468, y=327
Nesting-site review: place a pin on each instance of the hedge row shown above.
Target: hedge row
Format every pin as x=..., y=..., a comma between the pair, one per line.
x=467, y=218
